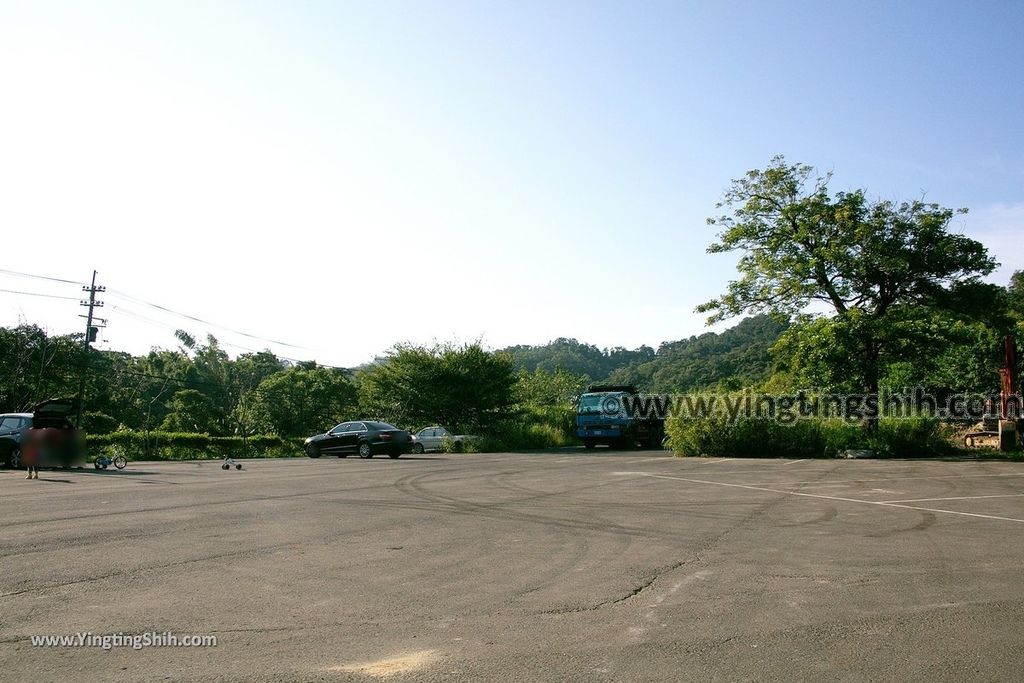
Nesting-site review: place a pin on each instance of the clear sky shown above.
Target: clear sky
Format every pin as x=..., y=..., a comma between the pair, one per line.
x=343, y=176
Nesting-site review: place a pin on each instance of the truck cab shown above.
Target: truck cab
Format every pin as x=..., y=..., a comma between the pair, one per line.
x=602, y=418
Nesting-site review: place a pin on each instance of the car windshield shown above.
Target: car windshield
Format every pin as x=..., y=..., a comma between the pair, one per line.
x=591, y=403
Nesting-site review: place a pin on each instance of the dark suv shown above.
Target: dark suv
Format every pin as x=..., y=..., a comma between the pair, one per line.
x=46, y=436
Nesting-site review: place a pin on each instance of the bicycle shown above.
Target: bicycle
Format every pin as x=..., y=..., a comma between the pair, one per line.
x=102, y=462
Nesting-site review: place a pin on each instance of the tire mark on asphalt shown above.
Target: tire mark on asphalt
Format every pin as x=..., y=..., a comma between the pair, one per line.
x=413, y=487
x=698, y=557
x=927, y=520
x=150, y=568
x=827, y=515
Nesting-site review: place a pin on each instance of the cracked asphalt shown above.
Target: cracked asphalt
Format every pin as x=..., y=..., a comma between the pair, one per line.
x=567, y=566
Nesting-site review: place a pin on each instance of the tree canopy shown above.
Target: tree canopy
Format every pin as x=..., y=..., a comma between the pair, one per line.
x=461, y=387
x=801, y=244
x=877, y=266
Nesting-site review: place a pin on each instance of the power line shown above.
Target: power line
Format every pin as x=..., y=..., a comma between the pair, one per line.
x=47, y=296
x=42, y=277
x=138, y=316
x=129, y=297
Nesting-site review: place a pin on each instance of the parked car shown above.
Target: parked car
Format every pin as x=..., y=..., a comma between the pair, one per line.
x=434, y=439
x=364, y=438
x=45, y=436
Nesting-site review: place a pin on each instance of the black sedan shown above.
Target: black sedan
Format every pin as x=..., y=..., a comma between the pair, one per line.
x=365, y=439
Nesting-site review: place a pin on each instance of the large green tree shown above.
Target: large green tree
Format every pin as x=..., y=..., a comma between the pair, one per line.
x=303, y=400
x=191, y=411
x=35, y=367
x=865, y=261
x=464, y=387
x=1015, y=299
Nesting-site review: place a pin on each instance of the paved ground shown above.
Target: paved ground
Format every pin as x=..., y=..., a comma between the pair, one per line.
x=575, y=566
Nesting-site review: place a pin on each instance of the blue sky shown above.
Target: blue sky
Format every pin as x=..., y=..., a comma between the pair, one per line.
x=347, y=175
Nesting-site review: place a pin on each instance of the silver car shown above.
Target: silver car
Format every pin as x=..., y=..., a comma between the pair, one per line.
x=434, y=438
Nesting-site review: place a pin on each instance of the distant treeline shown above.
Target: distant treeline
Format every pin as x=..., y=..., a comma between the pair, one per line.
x=520, y=395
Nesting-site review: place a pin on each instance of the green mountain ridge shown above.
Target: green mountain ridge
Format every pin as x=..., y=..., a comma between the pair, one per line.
x=731, y=359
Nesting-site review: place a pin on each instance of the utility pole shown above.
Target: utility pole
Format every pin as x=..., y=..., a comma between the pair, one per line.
x=90, y=336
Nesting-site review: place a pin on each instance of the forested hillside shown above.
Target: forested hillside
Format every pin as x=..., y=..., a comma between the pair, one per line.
x=734, y=358
x=577, y=357
x=738, y=357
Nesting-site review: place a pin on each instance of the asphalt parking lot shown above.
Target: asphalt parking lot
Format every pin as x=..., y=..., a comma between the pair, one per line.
x=526, y=567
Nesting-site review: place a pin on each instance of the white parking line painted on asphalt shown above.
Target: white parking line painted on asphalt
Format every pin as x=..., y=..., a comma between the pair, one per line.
x=865, y=481
x=925, y=500
x=836, y=498
x=716, y=461
x=793, y=462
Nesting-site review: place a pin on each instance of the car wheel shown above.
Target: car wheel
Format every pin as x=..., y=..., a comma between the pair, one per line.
x=14, y=459
x=312, y=450
x=364, y=451
x=457, y=447
x=418, y=449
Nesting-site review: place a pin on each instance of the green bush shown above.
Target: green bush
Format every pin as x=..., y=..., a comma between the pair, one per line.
x=98, y=423
x=187, y=446
x=536, y=427
x=812, y=438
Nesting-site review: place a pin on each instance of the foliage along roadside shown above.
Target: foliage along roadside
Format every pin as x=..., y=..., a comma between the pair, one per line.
x=137, y=445
x=811, y=438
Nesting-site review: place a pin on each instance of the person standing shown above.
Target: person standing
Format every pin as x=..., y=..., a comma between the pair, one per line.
x=30, y=456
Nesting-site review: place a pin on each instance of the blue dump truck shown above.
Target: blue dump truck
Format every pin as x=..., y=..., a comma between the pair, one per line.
x=606, y=415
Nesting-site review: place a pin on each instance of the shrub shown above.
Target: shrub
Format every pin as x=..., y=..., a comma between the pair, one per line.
x=811, y=438
x=187, y=446
x=535, y=427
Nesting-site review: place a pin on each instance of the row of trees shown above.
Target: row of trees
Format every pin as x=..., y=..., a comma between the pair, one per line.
x=199, y=388
x=577, y=357
x=898, y=296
